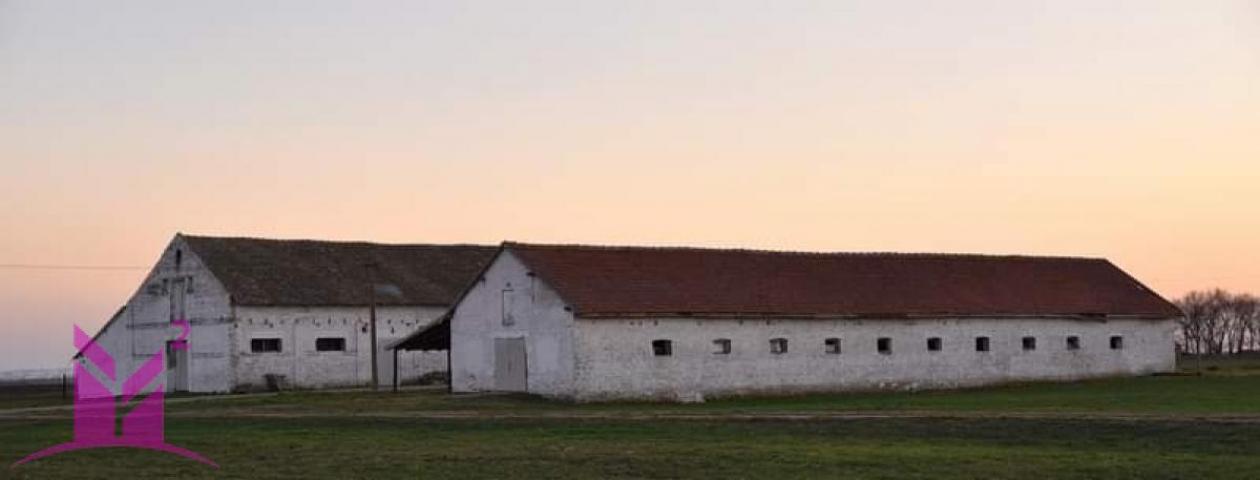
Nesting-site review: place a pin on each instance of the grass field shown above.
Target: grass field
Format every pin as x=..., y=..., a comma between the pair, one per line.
x=1151, y=427
x=21, y=396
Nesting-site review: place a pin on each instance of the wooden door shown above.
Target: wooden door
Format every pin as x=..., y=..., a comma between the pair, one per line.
x=510, y=369
x=177, y=351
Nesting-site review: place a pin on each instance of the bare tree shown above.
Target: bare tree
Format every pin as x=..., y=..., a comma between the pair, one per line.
x=1246, y=311
x=1218, y=322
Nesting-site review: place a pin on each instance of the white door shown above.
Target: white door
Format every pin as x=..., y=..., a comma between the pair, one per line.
x=509, y=365
x=177, y=351
x=176, y=366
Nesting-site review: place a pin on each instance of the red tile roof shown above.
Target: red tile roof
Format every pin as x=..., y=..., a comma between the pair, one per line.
x=613, y=281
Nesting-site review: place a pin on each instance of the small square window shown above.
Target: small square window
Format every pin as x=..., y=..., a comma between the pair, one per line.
x=1030, y=343
x=778, y=346
x=264, y=345
x=1117, y=342
x=832, y=346
x=662, y=348
x=330, y=344
x=934, y=344
x=982, y=344
x=1073, y=343
x=722, y=346
x=884, y=345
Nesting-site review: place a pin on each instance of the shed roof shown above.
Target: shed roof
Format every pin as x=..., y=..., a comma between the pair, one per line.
x=435, y=337
x=267, y=272
x=619, y=281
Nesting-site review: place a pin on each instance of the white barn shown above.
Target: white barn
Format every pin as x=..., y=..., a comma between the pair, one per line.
x=297, y=310
x=598, y=323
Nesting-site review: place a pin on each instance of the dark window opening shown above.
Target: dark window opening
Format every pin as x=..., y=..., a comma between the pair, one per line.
x=170, y=353
x=722, y=346
x=1030, y=343
x=934, y=344
x=778, y=345
x=262, y=345
x=330, y=344
x=1117, y=342
x=832, y=345
x=1074, y=343
x=179, y=258
x=884, y=345
x=982, y=344
x=507, y=308
x=662, y=348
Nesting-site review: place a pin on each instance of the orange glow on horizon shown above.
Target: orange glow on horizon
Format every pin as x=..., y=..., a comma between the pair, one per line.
x=1126, y=132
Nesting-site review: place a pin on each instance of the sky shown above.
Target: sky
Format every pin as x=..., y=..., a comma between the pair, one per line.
x=1120, y=129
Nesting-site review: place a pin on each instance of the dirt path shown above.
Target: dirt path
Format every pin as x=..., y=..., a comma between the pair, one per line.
x=718, y=416
x=302, y=411
x=25, y=411
x=59, y=413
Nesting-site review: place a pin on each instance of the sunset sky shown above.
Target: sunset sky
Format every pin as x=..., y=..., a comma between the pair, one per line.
x=1122, y=129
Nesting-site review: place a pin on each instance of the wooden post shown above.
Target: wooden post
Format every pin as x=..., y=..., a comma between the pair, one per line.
x=376, y=381
x=395, y=370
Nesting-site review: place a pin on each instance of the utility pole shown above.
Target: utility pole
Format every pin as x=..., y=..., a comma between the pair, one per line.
x=371, y=267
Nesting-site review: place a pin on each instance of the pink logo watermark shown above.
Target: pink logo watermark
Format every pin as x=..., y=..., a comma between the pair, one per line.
x=97, y=407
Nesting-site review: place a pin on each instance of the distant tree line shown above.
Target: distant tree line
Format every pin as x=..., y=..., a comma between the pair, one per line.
x=1218, y=322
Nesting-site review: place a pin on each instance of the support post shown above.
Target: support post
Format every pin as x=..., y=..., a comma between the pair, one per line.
x=395, y=370
x=371, y=286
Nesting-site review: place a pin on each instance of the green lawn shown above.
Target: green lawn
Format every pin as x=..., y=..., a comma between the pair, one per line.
x=33, y=396
x=1150, y=427
x=342, y=447
x=1206, y=395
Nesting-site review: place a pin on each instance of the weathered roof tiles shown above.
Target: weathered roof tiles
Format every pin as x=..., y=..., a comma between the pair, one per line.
x=268, y=272
x=616, y=281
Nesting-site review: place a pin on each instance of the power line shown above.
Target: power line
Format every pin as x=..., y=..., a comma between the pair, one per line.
x=37, y=266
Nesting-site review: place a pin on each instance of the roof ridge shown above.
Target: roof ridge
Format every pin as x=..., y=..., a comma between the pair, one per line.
x=654, y=280
x=331, y=242
x=580, y=246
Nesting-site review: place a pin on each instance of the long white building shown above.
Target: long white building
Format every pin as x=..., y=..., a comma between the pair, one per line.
x=596, y=323
x=293, y=310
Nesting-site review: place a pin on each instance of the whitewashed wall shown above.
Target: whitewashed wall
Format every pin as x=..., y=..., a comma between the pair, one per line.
x=615, y=358
x=220, y=359
x=539, y=316
x=602, y=359
x=143, y=327
x=303, y=366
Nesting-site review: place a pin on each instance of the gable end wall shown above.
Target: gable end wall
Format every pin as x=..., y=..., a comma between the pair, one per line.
x=143, y=327
x=538, y=316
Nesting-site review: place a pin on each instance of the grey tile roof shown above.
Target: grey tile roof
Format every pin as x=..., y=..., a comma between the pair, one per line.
x=268, y=272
